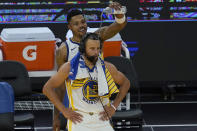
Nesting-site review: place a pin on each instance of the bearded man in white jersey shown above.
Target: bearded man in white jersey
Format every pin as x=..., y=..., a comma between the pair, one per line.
x=90, y=107
x=78, y=25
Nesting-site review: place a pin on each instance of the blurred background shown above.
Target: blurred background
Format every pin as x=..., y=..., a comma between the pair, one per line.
x=161, y=39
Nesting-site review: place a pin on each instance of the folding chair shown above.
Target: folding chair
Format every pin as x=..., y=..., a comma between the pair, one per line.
x=127, y=116
x=16, y=75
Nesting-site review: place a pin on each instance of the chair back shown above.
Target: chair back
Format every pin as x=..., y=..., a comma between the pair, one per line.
x=132, y=117
x=125, y=66
x=6, y=107
x=16, y=74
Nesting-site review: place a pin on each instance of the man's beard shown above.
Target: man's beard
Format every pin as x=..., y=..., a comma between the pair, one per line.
x=92, y=59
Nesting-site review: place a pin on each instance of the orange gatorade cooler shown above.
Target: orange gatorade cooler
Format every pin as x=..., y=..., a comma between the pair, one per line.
x=34, y=47
x=112, y=47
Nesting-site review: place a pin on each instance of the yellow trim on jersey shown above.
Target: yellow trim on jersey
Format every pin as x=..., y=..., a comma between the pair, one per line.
x=68, y=87
x=78, y=83
x=102, y=57
x=110, y=82
x=70, y=123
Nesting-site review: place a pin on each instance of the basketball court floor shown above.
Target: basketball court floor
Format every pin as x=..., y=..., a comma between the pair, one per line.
x=176, y=115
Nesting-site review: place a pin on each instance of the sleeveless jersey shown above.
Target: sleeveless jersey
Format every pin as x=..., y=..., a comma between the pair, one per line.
x=72, y=49
x=83, y=94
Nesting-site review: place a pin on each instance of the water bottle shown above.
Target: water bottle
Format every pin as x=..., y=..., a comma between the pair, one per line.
x=1, y=55
x=109, y=10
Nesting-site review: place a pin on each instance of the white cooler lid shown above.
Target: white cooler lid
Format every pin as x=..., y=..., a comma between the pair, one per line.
x=27, y=34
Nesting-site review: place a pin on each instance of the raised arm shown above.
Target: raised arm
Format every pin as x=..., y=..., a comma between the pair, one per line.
x=107, y=32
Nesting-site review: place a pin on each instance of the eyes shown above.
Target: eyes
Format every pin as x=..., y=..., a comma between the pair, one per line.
x=77, y=23
x=95, y=49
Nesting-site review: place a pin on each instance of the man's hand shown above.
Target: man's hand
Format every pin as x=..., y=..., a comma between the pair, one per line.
x=73, y=116
x=107, y=113
x=56, y=123
x=115, y=5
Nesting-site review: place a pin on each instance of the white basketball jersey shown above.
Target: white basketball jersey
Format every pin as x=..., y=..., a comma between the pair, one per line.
x=83, y=94
x=72, y=49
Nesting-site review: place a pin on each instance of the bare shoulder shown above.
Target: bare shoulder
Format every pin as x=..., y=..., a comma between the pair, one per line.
x=111, y=67
x=62, y=48
x=67, y=64
x=61, y=54
x=65, y=68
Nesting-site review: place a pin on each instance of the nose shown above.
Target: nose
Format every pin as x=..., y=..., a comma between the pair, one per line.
x=97, y=51
x=82, y=25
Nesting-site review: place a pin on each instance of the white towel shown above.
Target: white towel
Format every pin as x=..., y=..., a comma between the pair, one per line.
x=79, y=71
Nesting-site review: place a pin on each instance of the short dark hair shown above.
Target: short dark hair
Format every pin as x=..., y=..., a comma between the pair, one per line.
x=72, y=13
x=92, y=36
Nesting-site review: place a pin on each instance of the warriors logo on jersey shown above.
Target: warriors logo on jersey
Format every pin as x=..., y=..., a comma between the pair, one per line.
x=90, y=92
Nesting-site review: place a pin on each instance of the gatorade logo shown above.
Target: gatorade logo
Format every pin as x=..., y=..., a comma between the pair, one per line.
x=29, y=53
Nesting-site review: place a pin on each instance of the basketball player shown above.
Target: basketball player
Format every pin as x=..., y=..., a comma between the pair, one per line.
x=88, y=109
x=77, y=24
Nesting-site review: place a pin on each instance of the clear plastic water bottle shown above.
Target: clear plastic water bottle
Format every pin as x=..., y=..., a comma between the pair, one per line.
x=109, y=10
x=1, y=54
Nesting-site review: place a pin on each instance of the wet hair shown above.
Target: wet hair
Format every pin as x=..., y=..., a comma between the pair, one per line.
x=85, y=38
x=72, y=13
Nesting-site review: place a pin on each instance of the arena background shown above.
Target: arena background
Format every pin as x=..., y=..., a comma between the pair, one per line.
x=162, y=43
x=161, y=38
